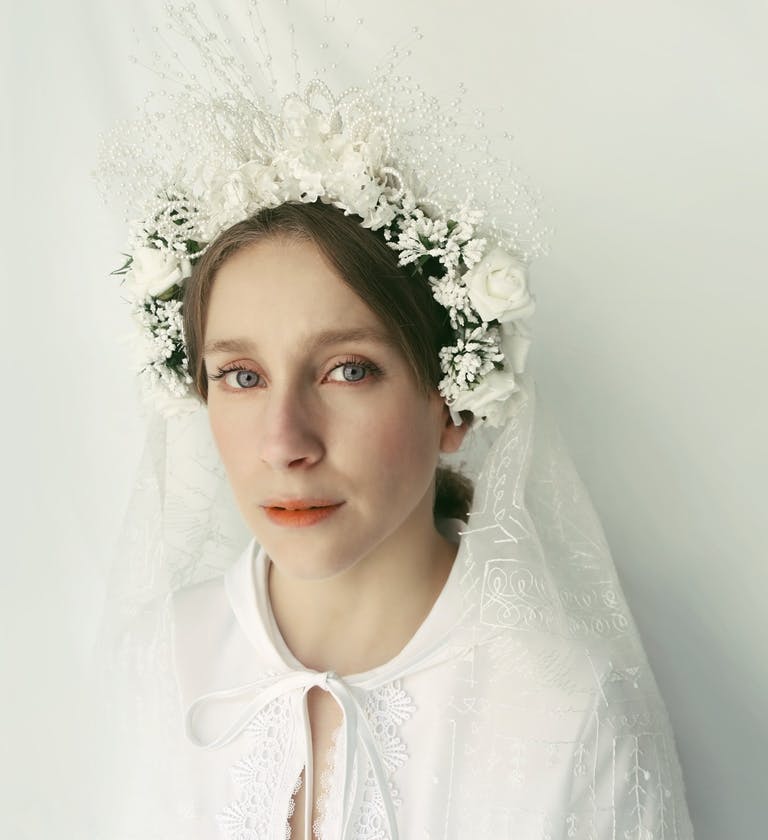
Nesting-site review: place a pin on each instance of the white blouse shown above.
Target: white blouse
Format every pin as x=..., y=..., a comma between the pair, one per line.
x=517, y=733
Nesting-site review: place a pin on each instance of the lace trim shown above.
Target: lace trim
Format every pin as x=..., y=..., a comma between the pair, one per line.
x=329, y=807
x=292, y=805
x=386, y=709
x=257, y=776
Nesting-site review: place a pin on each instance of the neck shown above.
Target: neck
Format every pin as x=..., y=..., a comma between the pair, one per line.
x=362, y=618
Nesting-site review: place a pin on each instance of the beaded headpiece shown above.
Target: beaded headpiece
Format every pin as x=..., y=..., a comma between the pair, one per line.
x=215, y=153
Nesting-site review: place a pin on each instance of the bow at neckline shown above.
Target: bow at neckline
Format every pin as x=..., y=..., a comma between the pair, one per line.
x=429, y=648
x=355, y=724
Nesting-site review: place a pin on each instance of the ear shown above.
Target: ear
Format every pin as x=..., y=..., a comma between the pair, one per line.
x=451, y=435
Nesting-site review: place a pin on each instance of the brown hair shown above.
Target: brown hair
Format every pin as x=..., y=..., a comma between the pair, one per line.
x=402, y=302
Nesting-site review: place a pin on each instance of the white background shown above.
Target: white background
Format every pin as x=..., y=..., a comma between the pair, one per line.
x=645, y=126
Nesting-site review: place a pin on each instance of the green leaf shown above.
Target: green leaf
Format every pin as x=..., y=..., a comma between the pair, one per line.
x=169, y=294
x=123, y=268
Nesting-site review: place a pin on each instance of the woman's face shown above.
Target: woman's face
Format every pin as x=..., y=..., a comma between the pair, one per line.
x=314, y=405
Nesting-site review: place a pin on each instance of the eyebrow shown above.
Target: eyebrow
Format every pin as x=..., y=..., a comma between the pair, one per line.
x=317, y=341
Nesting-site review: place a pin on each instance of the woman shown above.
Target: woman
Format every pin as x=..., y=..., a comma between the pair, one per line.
x=329, y=423
x=390, y=656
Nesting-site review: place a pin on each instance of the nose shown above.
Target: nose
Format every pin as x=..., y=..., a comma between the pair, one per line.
x=289, y=433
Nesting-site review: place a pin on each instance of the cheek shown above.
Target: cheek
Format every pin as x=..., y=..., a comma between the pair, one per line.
x=405, y=442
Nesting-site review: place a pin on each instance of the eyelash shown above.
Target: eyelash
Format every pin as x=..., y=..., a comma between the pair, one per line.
x=371, y=368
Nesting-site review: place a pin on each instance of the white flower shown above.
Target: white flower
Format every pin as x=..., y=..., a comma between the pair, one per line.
x=420, y=236
x=488, y=399
x=451, y=254
x=349, y=180
x=154, y=271
x=228, y=201
x=515, y=343
x=451, y=294
x=498, y=288
x=309, y=183
x=263, y=183
x=302, y=122
x=462, y=232
x=472, y=252
x=383, y=214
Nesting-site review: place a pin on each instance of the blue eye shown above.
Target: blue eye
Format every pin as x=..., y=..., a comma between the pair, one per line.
x=238, y=378
x=353, y=373
x=244, y=378
x=354, y=370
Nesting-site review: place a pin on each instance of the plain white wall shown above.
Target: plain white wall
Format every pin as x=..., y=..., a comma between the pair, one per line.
x=645, y=126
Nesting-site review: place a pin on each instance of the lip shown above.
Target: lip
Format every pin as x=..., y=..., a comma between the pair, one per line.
x=300, y=517
x=299, y=504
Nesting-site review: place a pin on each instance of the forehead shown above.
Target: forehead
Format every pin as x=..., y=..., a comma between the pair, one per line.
x=285, y=290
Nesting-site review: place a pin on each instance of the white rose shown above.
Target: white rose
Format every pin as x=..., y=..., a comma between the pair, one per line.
x=154, y=271
x=490, y=399
x=515, y=343
x=498, y=288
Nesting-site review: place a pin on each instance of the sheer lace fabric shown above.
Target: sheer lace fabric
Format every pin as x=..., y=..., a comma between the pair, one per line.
x=328, y=822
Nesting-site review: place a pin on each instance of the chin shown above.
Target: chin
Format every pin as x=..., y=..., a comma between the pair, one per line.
x=305, y=555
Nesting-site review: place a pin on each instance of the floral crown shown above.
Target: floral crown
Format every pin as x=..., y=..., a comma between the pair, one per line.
x=355, y=152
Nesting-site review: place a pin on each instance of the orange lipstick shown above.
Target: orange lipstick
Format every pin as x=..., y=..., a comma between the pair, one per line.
x=300, y=517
